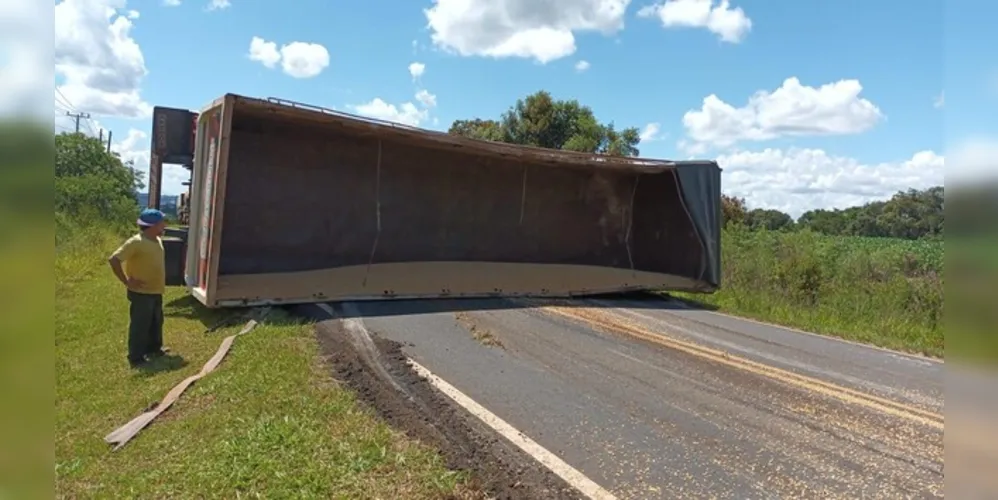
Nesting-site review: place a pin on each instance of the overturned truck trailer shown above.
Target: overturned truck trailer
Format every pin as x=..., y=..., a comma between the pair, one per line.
x=291, y=204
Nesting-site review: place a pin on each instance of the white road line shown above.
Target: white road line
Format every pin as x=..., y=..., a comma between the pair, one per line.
x=571, y=475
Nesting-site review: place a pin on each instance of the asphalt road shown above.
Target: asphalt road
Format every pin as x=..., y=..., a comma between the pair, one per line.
x=650, y=400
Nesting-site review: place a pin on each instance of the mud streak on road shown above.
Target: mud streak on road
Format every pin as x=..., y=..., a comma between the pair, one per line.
x=498, y=468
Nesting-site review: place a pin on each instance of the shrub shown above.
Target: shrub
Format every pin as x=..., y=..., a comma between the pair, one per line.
x=883, y=290
x=93, y=188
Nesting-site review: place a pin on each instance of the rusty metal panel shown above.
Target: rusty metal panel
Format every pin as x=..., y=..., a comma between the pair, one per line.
x=172, y=142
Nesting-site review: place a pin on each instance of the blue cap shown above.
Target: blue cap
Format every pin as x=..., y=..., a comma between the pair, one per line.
x=150, y=217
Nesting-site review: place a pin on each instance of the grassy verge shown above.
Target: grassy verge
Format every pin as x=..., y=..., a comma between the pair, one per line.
x=880, y=291
x=268, y=422
x=972, y=280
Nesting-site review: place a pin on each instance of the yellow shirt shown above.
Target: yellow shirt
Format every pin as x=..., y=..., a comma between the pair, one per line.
x=143, y=258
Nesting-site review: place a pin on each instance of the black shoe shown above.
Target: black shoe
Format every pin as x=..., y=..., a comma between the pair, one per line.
x=136, y=364
x=160, y=353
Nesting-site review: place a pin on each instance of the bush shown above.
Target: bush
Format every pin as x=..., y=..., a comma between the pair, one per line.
x=92, y=200
x=93, y=188
x=880, y=290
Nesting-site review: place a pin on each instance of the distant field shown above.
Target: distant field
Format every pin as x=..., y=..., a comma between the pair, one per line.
x=883, y=291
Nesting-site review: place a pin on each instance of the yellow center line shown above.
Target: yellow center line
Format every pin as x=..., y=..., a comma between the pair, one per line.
x=615, y=323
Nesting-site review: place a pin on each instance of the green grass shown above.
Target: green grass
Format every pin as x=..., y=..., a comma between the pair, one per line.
x=881, y=291
x=972, y=283
x=268, y=422
x=26, y=377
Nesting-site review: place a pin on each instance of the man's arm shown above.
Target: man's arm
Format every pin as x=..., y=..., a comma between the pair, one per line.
x=114, y=261
x=119, y=273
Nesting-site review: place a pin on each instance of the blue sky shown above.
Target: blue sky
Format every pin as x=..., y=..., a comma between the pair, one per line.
x=794, y=149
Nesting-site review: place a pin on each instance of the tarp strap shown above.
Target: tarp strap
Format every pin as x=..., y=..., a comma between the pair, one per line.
x=630, y=222
x=377, y=213
x=523, y=195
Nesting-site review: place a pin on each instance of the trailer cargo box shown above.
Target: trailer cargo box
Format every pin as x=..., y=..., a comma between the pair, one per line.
x=292, y=204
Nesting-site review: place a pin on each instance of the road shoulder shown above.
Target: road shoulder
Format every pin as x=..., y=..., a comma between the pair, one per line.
x=408, y=403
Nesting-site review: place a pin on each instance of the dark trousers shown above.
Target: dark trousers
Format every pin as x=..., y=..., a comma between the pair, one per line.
x=145, y=327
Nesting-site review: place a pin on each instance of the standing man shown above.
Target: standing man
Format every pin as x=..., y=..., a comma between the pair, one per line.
x=140, y=265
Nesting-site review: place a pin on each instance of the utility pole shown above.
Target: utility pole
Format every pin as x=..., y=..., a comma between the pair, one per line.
x=78, y=116
x=108, y=141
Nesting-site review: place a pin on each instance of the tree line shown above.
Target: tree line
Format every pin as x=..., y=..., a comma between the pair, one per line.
x=540, y=120
x=912, y=214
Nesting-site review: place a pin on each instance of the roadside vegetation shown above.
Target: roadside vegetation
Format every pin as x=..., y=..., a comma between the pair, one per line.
x=883, y=291
x=26, y=254
x=972, y=273
x=270, y=421
x=872, y=273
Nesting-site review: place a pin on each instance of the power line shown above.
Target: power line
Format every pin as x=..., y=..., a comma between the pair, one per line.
x=65, y=101
x=59, y=104
x=77, y=116
x=91, y=126
x=72, y=112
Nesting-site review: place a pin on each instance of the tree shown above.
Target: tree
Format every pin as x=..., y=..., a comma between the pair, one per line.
x=487, y=130
x=541, y=121
x=772, y=220
x=92, y=184
x=914, y=214
x=910, y=214
x=732, y=210
x=77, y=155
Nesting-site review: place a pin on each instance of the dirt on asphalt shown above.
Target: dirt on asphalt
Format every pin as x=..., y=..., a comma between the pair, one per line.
x=378, y=371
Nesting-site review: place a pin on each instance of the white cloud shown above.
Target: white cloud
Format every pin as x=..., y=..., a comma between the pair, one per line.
x=582, y=65
x=732, y=25
x=406, y=114
x=304, y=60
x=101, y=64
x=791, y=110
x=171, y=3
x=427, y=99
x=135, y=148
x=417, y=69
x=939, y=102
x=219, y=4
x=973, y=160
x=25, y=59
x=298, y=59
x=797, y=180
x=543, y=31
x=651, y=132
x=264, y=52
